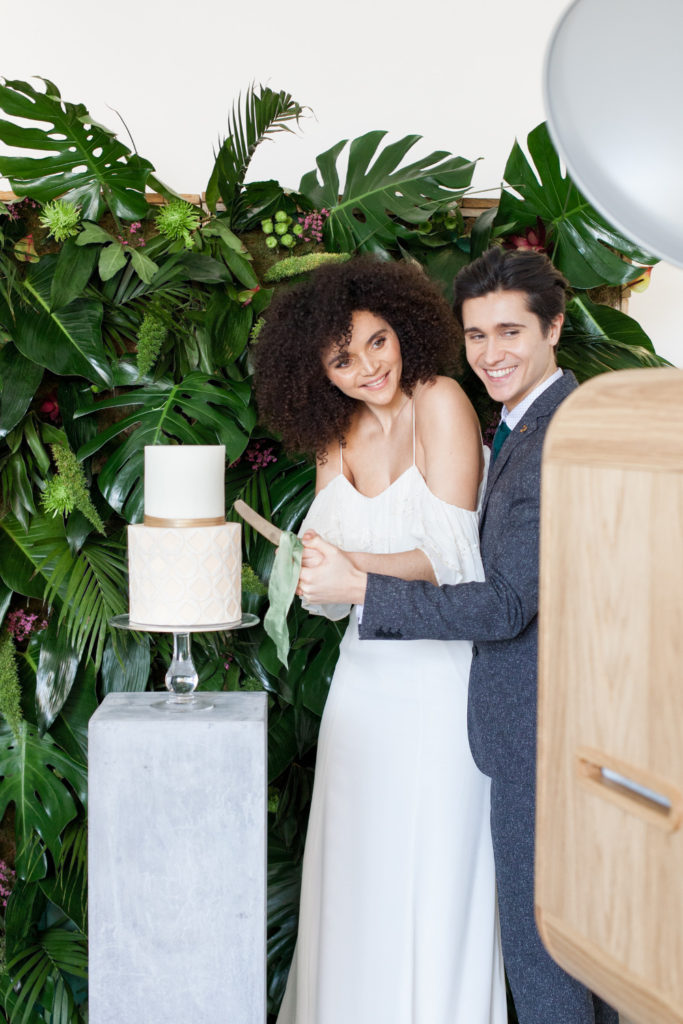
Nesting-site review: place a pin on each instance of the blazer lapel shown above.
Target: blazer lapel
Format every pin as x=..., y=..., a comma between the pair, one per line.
x=545, y=405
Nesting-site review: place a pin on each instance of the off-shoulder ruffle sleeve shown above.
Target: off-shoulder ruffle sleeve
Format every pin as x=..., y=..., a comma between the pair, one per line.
x=449, y=536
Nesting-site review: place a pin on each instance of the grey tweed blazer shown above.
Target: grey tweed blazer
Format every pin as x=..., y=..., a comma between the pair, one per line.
x=498, y=615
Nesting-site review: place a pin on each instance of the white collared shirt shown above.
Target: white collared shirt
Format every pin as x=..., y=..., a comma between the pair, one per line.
x=513, y=417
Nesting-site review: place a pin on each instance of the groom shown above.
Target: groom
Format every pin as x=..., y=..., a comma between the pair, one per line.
x=511, y=308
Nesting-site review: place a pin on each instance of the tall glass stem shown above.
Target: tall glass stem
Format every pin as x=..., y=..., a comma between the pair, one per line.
x=181, y=678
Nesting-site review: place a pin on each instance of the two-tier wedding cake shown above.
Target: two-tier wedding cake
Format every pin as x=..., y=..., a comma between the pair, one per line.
x=184, y=561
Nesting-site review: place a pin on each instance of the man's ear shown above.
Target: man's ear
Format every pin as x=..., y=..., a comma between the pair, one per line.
x=555, y=329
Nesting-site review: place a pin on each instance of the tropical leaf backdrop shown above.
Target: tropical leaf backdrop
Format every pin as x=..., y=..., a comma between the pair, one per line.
x=124, y=323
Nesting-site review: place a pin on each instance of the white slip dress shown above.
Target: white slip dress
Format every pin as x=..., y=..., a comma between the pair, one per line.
x=398, y=919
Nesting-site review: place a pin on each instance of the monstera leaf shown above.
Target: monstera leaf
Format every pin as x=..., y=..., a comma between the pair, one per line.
x=596, y=338
x=85, y=163
x=264, y=113
x=581, y=242
x=374, y=196
x=195, y=411
x=35, y=774
x=68, y=340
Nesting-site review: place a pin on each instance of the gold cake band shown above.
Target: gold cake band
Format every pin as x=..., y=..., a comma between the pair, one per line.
x=174, y=524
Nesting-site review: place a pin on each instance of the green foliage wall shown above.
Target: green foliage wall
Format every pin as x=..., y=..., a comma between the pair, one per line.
x=124, y=324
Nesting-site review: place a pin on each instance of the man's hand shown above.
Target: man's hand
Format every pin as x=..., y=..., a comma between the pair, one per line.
x=328, y=575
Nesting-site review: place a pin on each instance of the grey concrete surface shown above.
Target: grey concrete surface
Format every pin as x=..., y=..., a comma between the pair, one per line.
x=177, y=861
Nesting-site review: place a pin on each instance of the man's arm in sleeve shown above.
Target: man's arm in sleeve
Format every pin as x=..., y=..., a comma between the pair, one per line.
x=497, y=609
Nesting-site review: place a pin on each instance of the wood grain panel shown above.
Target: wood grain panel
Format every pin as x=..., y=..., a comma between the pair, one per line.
x=609, y=879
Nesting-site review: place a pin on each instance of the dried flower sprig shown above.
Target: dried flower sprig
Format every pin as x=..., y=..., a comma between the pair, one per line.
x=8, y=877
x=21, y=624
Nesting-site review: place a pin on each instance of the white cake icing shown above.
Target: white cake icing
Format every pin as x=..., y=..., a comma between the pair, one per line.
x=185, y=562
x=185, y=481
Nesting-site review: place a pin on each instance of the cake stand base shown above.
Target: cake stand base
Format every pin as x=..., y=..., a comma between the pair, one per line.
x=181, y=678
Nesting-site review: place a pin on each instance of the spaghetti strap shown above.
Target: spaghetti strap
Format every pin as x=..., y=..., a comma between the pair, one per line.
x=413, y=429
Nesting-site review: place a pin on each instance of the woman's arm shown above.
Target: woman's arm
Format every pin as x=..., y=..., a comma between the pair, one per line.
x=406, y=565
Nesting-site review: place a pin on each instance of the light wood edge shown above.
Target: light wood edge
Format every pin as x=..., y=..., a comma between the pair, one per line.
x=153, y=198
x=604, y=975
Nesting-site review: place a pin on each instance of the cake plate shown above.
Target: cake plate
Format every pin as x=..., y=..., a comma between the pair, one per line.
x=181, y=678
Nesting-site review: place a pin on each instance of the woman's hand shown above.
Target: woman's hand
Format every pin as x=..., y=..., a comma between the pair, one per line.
x=328, y=576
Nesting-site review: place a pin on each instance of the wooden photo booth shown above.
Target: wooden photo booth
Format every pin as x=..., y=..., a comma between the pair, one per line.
x=609, y=870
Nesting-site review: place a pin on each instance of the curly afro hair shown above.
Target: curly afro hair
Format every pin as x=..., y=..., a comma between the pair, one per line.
x=293, y=394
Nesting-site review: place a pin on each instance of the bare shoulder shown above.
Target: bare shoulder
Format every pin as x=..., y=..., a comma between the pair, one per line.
x=326, y=470
x=448, y=442
x=444, y=398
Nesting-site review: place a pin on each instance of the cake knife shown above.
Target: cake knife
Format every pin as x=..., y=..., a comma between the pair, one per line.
x=268, y=530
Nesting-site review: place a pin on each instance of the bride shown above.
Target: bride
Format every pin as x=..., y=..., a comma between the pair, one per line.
x=398, y=921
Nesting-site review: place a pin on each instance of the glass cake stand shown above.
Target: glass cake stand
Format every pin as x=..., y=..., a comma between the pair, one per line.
x=181, y=678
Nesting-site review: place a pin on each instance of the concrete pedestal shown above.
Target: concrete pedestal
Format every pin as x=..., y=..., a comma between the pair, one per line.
x=177, y=861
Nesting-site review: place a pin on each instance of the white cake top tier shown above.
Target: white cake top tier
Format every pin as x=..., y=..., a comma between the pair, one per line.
x=185, y=481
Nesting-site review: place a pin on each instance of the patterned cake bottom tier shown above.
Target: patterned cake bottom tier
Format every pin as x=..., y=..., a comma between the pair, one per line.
x=189, y=576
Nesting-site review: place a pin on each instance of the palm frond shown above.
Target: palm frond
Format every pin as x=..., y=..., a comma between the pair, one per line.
x=92, y=587
x=262, y=113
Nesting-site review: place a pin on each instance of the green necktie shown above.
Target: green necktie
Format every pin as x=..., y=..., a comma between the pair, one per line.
x=498, y=439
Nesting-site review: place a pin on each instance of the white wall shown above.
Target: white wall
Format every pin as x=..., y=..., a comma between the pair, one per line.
x=466, y=76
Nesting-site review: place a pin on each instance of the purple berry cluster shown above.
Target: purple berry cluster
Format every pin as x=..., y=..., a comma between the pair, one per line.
x=258, y=457
x=7, y=879
x=21, y=624
x=312, y=225
x=133, y=229
x=17, y=208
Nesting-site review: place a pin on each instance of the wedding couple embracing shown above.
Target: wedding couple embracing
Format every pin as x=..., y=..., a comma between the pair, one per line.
x=418, y=870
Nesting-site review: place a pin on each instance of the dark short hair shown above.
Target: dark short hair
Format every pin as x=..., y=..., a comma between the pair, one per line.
x=293, y=394
x=513, y=270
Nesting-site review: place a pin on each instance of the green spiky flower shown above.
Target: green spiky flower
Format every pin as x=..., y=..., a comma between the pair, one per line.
x=10, y=690
x=251, y=584
x=61, y=219
x=68, y=490
x=177, y=220
x=250, y=684
x=293, y=265
x=58, y=498
x=151, y=336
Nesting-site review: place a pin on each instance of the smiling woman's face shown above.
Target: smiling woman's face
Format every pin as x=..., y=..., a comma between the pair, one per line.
x=368, y=368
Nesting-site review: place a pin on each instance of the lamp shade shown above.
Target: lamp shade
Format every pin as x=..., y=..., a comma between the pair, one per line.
x=613, y=81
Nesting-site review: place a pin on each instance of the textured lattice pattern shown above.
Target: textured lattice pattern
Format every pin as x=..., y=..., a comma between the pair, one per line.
x=184, y=577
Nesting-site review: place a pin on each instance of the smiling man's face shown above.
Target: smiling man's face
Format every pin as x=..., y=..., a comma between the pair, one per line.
x=506, y=345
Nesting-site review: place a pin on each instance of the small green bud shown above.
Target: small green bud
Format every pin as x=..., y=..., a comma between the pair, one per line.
x=267, y=226
x=297, y=229
x=271, y=242
x=450, y=223
x=288, y=240
x=280, y=228
x=280, y=216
